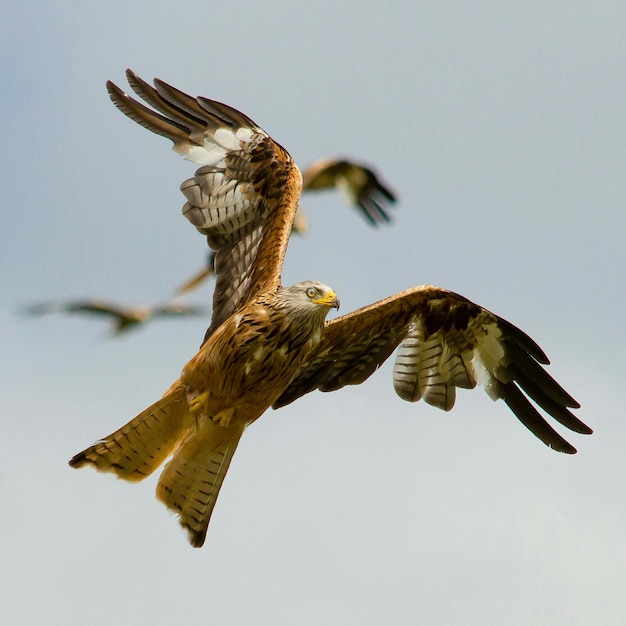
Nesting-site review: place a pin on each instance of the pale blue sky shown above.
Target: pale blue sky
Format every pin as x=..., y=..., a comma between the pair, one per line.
x=502, y=128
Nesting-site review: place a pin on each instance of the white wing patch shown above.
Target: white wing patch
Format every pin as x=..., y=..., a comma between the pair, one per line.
x=207, y=154
x=489, y=360
x=232, y=141
x=215, y=146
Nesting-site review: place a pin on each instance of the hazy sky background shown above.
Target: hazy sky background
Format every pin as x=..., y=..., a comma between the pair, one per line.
x=502, y=127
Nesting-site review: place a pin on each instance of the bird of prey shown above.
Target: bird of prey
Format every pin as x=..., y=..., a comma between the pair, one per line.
x=361, y=185
x=124, y=317
x=267, y=345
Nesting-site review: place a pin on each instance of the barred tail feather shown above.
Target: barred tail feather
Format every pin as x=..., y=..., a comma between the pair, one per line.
x=138, y=448
x=191, y=481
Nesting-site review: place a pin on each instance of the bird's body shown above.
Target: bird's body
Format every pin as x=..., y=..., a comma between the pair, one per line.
x=203, y=414
x=268, y=345
x=262, y=349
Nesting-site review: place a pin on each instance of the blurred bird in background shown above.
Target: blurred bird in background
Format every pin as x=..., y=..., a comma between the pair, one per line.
x=123, y=317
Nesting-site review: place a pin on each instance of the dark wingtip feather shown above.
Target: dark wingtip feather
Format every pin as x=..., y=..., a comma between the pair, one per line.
x=130, y=74
x=196, y=538
x=371, y=212
x=531, y=375
x=385, y=191
x=524, y=341
x=373, y=209
x=78, y=460
x=146, y=117
x=532, y=419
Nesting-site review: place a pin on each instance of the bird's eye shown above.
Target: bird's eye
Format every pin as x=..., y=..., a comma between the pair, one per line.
x=311, y=292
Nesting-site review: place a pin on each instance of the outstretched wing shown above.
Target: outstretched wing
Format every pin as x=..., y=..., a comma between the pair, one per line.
x=444, y=341
x=179, y=309
x=362, y=186
x=94, y=307
x=244, y=196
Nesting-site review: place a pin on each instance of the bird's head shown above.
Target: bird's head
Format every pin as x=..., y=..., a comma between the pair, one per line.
x=309, y=298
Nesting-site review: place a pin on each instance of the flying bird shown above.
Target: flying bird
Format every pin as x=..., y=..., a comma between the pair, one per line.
x=361, y=185
x=267, y=345
x=124, y=317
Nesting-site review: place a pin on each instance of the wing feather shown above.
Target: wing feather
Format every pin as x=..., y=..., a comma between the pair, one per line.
x=149, y=119
x=369, y=194
x=243, y=198
x=444, y=342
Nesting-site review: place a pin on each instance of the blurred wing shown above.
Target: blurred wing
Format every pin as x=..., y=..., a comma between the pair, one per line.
x=362, y=186
x=95, y=307
x=177, y=309
x=244, y=196
x=42, y=308
x=444, y=341
x=199, y=277
x=99, y=307
x=300, y=222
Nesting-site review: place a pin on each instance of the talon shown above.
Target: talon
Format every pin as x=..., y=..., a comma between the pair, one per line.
x=223, y=418
x=197, y=404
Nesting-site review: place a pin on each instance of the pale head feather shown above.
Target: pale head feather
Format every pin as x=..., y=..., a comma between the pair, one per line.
x=309, y=298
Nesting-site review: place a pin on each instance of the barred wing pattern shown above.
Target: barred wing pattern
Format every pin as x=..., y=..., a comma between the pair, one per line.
x=444, y=341
x=244, y=196
x=363, y=187
x=273, y=344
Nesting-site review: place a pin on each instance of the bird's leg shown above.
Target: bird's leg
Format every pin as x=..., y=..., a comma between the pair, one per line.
x=197, y=402
x=223, y=418
x=198, y=407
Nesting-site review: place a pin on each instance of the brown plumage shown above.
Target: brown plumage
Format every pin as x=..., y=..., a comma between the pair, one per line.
x=124, y=317
x=268, y=345
x=362, y=186
x=242, y=368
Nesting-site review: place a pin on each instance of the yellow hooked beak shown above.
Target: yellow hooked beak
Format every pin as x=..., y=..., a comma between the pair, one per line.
x=328, y=299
